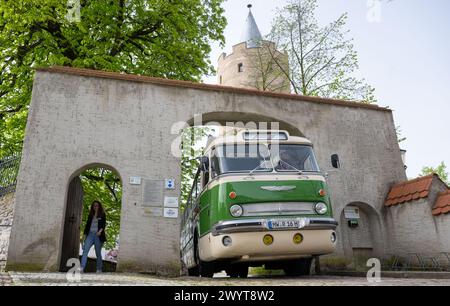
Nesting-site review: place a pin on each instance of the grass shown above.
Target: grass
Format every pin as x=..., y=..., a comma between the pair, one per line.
x=335, y=263
x=261, y=271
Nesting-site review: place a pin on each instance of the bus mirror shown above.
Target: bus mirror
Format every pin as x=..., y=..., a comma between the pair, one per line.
x=335, y=161
x=204, y=164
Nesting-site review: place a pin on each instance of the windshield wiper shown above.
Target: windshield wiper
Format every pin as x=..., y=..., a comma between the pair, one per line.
x=289, y=165
x=257, y=167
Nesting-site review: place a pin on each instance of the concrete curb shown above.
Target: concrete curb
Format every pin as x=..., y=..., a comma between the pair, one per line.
x=393, y=274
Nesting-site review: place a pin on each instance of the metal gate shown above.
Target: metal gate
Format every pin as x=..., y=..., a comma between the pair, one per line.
x=9, y=167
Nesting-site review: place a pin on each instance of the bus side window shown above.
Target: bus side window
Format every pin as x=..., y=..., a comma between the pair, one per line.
x=196, y=187
x=195, y=191
x=214, y=166
x=205, y=177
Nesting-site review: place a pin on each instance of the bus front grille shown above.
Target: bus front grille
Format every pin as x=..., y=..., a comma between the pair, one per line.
x=278, y=208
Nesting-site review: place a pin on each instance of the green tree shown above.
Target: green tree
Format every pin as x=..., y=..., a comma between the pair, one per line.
x=164, y=38
x=161, y=38
x=103, y=185
x=193, y=140
x=322, y=59
x=264, y=70
x=440, y=170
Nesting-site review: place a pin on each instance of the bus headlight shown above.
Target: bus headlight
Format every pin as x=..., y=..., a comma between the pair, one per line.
x=333, y=237
x=227, y=241
x=236, y=210
x=321, y=208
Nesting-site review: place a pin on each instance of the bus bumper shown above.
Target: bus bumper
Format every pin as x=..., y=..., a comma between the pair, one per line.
x=254, y=225
x=250, y=246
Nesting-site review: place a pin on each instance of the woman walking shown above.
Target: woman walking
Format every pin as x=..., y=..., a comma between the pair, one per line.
x=94, y=233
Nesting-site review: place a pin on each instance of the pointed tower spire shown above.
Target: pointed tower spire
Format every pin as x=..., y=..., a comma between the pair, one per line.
x=251, y=34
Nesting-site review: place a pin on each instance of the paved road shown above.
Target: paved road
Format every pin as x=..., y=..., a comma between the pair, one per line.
x=120, y=279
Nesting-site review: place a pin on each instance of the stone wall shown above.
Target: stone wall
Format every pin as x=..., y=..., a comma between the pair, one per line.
x=6, y=218
x=81, y=118
x=414, y=229
x=252, y=75
x=443, y=229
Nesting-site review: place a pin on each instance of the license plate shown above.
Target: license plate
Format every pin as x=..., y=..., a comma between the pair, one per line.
x=287, y=223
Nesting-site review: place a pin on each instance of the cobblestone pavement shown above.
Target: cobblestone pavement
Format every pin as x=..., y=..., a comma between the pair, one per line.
x=5, y=279
x=121, y=279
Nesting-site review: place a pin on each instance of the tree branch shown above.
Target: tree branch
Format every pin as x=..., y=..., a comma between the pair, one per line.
x=286, y=73
x=113, y=192
x=325, y=36
x=115, y=47
x=327, y=64
x=320, y=87
x=300, y=35
x=10, y=111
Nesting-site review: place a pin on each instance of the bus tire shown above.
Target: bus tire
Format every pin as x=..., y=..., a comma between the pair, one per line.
x=240, y=271
x=300, y=267
x=193, y=271
x=243, y=272
x=205, y=269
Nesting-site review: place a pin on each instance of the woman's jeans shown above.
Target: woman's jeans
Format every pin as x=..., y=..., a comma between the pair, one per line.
x=91, y=240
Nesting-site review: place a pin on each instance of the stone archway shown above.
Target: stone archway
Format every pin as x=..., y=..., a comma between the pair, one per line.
x=361, y=230
x=73, y=215
x=250, y=120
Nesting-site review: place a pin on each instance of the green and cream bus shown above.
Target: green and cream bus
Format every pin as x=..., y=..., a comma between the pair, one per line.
x=258, y=198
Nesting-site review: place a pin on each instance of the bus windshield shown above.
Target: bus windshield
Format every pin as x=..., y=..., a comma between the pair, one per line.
x=292, y=157
x=240, y=158
x=249, y=158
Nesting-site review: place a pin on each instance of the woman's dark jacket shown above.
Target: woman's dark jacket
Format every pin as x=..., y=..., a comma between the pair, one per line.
x=101, y=225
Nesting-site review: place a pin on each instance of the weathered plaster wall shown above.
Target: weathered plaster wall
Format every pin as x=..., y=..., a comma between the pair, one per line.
x=369, y=237
x=76, y=121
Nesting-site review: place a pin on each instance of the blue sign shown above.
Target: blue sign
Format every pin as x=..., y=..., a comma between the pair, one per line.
x=170, y=184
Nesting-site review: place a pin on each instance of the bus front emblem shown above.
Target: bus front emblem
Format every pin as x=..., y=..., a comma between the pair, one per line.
x=278, y=188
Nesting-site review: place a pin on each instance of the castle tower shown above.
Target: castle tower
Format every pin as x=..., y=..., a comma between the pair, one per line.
x=255, y=63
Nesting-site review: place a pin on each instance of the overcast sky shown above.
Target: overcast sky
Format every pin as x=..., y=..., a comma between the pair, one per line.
x=405, y=56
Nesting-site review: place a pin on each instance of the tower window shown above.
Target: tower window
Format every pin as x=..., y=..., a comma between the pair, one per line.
x=220, y=79
x=240, y=67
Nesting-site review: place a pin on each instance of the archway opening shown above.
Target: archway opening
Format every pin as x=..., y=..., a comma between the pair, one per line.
x=196, y=135
x=361, y=232
x=92, y=183
x=204, y=127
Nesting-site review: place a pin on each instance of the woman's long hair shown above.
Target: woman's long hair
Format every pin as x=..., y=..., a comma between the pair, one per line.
x=100, y=211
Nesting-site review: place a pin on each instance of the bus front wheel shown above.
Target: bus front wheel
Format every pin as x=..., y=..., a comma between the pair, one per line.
x=240, y=271
x=203, y=268
x=193, y=271
x=298, y=267
x=206, y=269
